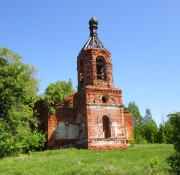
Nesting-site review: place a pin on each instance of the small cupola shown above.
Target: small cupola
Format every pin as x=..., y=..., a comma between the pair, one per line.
x=93, y=26
x=93, y=41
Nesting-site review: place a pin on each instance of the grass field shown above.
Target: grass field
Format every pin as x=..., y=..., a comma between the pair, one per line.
x=141, y=159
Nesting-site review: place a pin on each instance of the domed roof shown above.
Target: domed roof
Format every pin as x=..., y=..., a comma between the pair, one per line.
x=93, y=20
x=93, y=41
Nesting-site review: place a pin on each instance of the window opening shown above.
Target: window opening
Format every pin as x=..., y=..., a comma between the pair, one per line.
x=100, y=68
x=104, y=99
x=106, y=127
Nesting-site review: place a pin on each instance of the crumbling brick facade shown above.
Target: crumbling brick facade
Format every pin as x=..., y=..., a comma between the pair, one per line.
x=96, y=118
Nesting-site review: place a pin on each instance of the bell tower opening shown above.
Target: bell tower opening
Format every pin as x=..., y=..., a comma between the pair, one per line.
x=100, y=68
x=106, y=127
x=81, y=76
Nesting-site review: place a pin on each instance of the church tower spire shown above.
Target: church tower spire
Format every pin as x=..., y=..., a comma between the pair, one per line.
x=93, y=41
x=93, y=26
x=94, y=62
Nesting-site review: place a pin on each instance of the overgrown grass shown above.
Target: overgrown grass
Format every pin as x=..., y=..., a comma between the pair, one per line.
x=141, y=159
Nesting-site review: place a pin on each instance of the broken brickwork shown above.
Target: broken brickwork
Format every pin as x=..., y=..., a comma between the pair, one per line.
x=95, y=118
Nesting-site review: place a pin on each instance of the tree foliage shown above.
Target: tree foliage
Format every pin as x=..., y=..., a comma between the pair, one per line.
x=137, y=118
x=56, y=93
x=168, y=130
x=150, y=131
x=150, y=127
x=174, y=159
x=161, y=138
x=145, y=128
x=137, y=122
x=18, y=93
x=148, y=116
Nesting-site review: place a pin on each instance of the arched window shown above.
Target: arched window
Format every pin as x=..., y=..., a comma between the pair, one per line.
x=106, y=127
x=100, y=68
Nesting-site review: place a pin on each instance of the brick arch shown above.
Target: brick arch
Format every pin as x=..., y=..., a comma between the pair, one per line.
x=100, y=116
x=101, y=56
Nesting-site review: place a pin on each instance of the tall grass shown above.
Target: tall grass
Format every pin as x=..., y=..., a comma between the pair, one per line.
x=141, y=159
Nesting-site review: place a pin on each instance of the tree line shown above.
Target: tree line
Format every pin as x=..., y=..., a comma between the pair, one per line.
x=146, y=129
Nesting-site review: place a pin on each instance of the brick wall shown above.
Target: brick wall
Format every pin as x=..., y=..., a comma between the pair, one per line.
x=129, y=125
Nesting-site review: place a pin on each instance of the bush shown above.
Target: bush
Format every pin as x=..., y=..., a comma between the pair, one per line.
x=153, y=167
x=174, y=163
x=174, y=159
x=140, y=140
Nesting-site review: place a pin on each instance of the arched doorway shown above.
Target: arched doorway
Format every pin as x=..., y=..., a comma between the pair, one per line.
x=106, y=127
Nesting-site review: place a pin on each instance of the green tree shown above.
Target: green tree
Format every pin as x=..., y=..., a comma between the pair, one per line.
x=137, y=122
x=161, y=134
x=18, y=93
x=56, y=93
x=137, y=118
x=168, y=132
x=174, y=159
x=151, y=131
x=150, y=127
x=148, y=116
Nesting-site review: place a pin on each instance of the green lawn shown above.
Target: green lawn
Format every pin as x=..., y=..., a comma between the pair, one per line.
x=141, y=159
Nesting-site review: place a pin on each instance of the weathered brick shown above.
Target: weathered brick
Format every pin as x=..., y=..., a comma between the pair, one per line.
x=95, y=118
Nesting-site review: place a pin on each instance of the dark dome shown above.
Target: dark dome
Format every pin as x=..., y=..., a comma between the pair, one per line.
x=93, y=41
x=93, y=20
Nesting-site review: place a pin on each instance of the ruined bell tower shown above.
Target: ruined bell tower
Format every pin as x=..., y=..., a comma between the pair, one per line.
x=94, y=63
x=98, y=105
x=95, y=117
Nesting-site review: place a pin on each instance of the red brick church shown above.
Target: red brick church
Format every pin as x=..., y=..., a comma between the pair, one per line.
x=95, y=118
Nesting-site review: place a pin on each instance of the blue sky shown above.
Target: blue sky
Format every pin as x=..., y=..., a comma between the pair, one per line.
x=142, y=36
